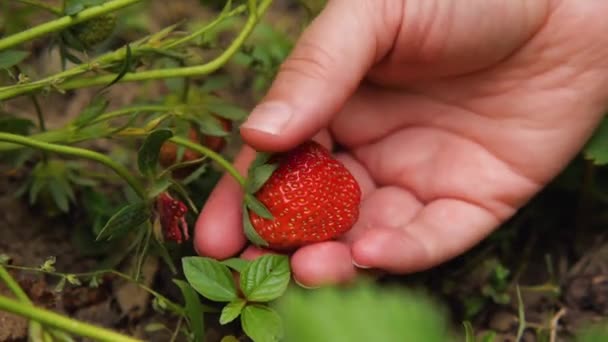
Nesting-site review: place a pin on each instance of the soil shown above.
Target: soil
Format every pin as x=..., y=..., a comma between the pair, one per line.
x=555, y=249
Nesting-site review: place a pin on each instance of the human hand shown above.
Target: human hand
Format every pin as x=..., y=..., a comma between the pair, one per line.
x=453, y=116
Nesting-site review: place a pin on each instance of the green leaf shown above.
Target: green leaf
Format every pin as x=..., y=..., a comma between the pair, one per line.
x=363, y=311
x=97, y=106
x=262, y=324
x=265, y=278
x=258, y=207
x=259, y=176
x=210, y=125
x=250, y=232
x=159, y=186
x=210, y=278
x=16, y=125
x=489, y=336
x=232, y=310
x=147, y=157
x=72, y=7
x=226, y=110
x=194, y=309
x=49, y=264
x=124, y=68
x=127, y=218
x=10, y=58
x=236, y=264
x=60, y=196
x=597, y=147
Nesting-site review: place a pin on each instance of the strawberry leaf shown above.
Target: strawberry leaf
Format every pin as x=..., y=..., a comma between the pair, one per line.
x=261, y=323
x=127, y=218
x=363, y=311
x=259, y=176
x=147, y=157
x=236, y=264
x=97, y=106
x=266, y=278
x=224, y=110
x=210, y=278
x=250, y=232
x=257, y=207
x=194, y=309
x=597, y=147
x=11, y=58
x=210, y=125
x=159, y=186
x=232, y=310
x=16, y=125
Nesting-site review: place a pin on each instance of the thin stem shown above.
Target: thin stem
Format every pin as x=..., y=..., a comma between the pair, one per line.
x=176, y=331
x=52, y=319
x=41, y=5
x=63, y=22
x=212, y=155
x=77, y=152
x=197, y=70
x=174, y=307
x=202, y=30
x=39, y=114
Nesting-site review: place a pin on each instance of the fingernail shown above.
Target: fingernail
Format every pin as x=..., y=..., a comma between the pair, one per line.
x=361, y=266
x=304, y=286
x=269, y=117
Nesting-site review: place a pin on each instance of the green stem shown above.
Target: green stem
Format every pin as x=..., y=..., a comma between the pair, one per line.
x=66, y=136
x=52, y=319
x=12, y=285
x=63, y=22
x=104, y=61
x=226, y=165
x=41, y=5
x=128, y=110
x=198, y=70
x=77, y=152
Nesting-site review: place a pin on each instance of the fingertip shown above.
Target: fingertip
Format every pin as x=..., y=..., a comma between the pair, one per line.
x=321, y=264
x=216, y=236
x=218, y=231
x=387, y=249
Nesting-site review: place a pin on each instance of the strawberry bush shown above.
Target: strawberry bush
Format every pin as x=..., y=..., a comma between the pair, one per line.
x=135, y=173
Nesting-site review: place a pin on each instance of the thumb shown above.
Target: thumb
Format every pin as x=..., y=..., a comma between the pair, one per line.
x=323, y=70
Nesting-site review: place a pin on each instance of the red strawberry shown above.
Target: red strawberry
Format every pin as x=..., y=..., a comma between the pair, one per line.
x=172, y=213
x=311, y=196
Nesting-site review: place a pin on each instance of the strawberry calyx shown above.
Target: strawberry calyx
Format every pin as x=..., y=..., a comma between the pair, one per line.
x=258, y=174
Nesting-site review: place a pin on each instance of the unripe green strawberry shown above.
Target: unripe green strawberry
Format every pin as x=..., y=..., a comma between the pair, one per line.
x=311, y=196
x=94, y=31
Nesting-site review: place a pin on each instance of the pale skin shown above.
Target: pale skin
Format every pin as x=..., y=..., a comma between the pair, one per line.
x=453, y=115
